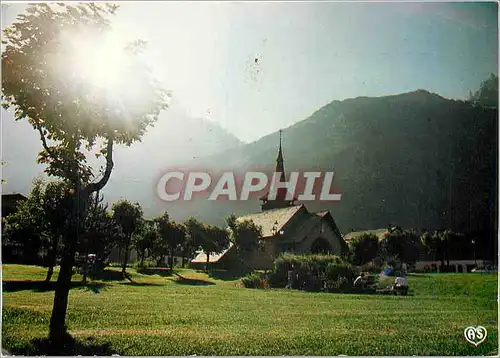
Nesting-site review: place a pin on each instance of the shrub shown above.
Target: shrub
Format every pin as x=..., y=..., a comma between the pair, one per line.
x=312, y=270
x=256, y=280
x=371, y=267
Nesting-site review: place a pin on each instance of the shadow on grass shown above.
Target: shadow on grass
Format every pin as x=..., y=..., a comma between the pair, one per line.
x=161, y=271
x=70, y=347
x=191, y=281
x=134, y=283
x=42, y=286
x=112, y=275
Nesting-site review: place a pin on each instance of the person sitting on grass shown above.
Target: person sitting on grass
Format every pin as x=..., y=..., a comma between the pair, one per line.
x=400, y=284
x=360, y=281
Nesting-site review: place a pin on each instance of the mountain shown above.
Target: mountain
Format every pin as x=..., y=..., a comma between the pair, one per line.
x=415, y=159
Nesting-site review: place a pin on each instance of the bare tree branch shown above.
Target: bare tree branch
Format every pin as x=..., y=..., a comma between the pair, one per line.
x=45, y=145
x=109, y=167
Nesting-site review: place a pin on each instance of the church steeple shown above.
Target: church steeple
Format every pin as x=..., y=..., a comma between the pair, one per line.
x=280, y=166
x=280, y=201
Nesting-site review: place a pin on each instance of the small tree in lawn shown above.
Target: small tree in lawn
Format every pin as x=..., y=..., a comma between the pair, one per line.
x=146, y=240
x=77, y=103
x=188, y=247
x=129, y=217
x=214, y=241
x=245, y=235
x=101, y=233
x=172, y=234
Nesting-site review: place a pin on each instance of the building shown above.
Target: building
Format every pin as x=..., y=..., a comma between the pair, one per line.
x=10, y=203
x=286, y=227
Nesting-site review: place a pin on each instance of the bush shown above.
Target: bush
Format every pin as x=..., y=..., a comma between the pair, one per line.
x=312, y=271
x=371, y=267
x=256, y=280
x=149, y=262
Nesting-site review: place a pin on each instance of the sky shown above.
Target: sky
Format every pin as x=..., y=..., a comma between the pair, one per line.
x=256, y=67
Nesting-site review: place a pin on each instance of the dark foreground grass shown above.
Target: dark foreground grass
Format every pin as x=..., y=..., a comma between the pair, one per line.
x=154, y=315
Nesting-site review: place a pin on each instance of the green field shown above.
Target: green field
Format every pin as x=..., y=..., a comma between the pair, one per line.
x=156, y=315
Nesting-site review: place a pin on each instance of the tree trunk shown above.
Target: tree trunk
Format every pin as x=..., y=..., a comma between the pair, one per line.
x=171, y=263
x=142, y=258
x=183, y=261
x=125, y=257
x=58, y=330
x=50, y=272
x=51, y=261
x=208, y=260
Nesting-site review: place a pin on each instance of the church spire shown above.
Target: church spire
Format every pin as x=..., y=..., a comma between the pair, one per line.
x=280, y=166
x=280, y=200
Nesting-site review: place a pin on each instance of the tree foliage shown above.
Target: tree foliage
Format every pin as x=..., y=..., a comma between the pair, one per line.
x=364, y=248
x=400, y=243
x=35, y=228
x=209, y=238
x=487, y=94
x=245, y=235
x=172, y=235
x=128, y=216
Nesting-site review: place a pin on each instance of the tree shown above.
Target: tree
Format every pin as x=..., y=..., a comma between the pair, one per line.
x=364, y=248
x=487, y=94
x=37, y=226
x=172, y=234
x=210, y=239
x=147, y=238
x=400, y=243
x=56, y=209
x=73, y=109
x=245, y=235
x=214, y=241
x=102, y=233
x=129, y=217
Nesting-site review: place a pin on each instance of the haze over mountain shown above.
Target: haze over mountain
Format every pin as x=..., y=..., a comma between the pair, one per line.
x=416, y=159
x=175, y=139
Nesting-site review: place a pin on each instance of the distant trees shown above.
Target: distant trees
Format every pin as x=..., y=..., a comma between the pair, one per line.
x=442, y=243
x=487, y=94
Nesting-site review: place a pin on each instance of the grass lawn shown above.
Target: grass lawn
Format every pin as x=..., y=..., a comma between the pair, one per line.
x=156, y=315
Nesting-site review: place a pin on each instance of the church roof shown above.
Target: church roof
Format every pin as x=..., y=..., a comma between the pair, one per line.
x=323, y=213
x=268, y=219
x=378, y=232
x=202, y=257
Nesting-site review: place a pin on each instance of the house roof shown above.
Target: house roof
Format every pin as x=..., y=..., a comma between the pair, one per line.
x=323, y=213
x=13, y=196
x=268, y=219
x=379, y=232
x=212, y=258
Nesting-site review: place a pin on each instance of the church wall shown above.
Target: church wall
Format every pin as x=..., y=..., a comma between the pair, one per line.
x=321, y=230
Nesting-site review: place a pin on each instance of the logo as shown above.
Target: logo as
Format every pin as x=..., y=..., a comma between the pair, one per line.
x=475, y=335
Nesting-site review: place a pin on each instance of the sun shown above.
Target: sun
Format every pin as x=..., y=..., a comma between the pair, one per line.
x=97, y=60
